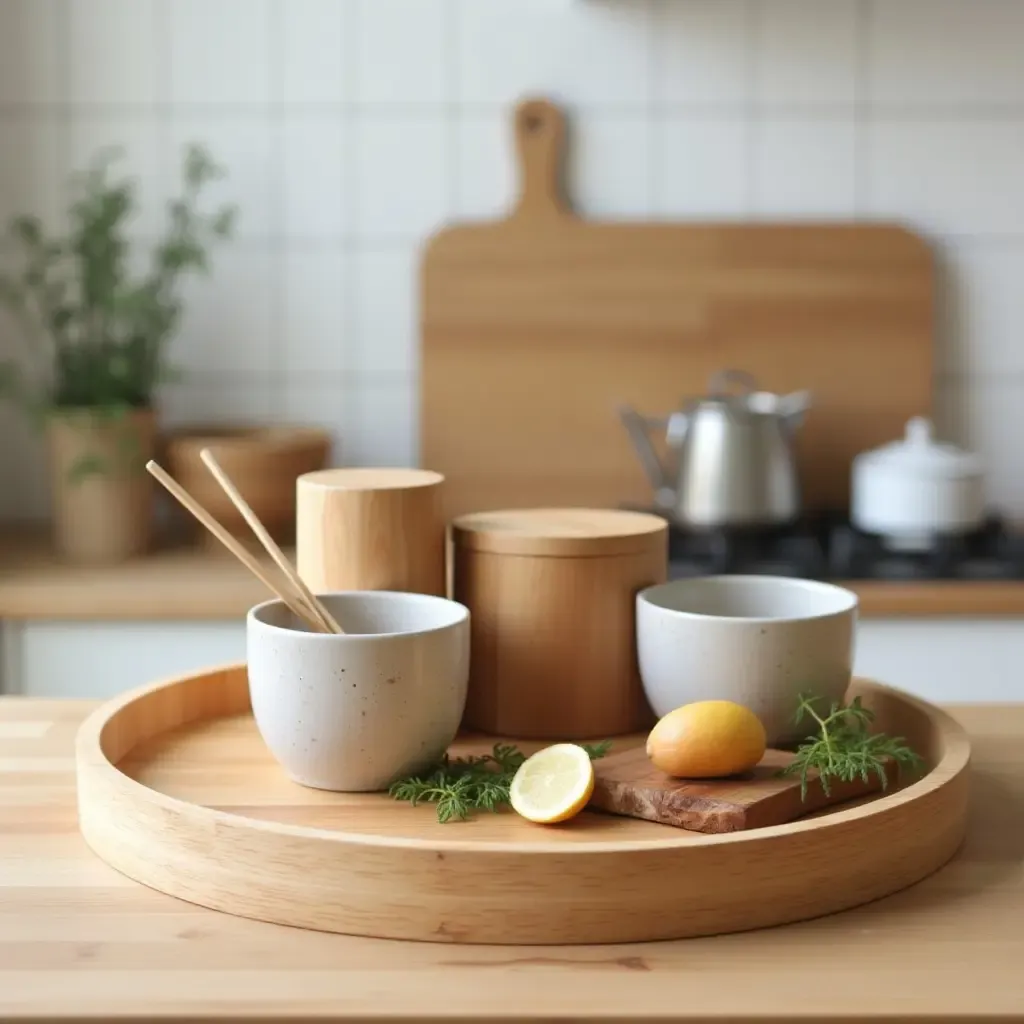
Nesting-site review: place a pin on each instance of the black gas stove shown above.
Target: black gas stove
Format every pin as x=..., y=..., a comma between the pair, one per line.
x=825, y=546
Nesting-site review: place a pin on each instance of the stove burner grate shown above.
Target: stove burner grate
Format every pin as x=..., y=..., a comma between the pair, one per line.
x=826, y=546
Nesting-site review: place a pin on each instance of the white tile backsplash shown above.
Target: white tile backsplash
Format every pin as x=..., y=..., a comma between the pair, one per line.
x=31, y=70
x=315, y=39
x=352, y=129
x=934, y=52
x=988, y=416
x=807, y=53
x=328, y=404
x=220, y=52
x=805, y=167
x=32, y=165
x=982, y=310
x=700, y=51
x=485, y=166
x=385, y=296
x=230, y=323
x=410, y=67
x=383, y=427
x=217, y=402
x=110, y=60
x=585, y=53
x=372, y=425
x=317, y=334
x=316, y=188
x=948, y=176
x=401, y=178
x=609, y=170
x=701, y=167
x=23, y=468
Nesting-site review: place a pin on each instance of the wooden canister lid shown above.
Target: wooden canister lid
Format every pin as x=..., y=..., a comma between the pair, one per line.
x=357, y=478
x=560, y=532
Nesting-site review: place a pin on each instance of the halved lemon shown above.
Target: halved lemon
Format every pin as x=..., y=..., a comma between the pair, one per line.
x=553, y=785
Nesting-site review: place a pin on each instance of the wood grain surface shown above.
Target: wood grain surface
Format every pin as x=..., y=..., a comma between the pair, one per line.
x=81, y=942
x=536, y=581
x=371, y=529
x=627, y=783
x=535, y=327
x=180, y=583
x=369, y=865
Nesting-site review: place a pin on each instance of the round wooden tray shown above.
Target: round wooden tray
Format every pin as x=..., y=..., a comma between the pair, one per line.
x=177, y=791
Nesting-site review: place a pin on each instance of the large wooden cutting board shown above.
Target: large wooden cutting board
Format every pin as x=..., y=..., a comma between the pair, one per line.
x=535, y=327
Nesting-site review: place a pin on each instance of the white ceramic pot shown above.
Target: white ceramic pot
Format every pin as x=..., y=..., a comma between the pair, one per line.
x=353, y=712
x=913, y=490
x=756, y=640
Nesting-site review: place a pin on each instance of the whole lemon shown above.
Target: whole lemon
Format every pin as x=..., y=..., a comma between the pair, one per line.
x=707, y=739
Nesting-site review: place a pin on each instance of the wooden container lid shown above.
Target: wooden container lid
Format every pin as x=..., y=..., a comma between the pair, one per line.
x=560, y=532
x=370, y=479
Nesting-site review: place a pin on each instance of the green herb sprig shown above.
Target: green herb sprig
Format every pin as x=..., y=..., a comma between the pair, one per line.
x=844, y=748
x=459, y=786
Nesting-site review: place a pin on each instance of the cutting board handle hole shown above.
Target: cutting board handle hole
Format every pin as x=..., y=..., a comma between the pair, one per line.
x=540, y=130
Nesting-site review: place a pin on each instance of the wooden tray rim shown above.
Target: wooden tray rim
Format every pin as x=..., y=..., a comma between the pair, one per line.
x=91, y=757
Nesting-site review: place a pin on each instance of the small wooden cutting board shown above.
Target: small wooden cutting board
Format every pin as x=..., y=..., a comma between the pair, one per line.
x=628, y=784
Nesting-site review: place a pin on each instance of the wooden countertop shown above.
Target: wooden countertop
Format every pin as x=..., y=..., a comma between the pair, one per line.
x=198, y=583
x=80, y=942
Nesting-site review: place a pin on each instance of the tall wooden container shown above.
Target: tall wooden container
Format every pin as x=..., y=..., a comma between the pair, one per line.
x=371, y=529
x=552, y=596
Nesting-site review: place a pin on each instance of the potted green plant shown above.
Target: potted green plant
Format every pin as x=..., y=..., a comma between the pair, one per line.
x=95, y=337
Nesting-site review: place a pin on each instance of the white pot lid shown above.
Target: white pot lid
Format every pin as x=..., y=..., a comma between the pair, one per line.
x=920, y=454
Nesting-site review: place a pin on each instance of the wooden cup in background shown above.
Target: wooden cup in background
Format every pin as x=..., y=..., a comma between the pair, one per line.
x=371, y=529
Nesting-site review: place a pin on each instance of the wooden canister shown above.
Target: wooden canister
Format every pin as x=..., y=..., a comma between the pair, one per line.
x=371, y=529
x=552, y=596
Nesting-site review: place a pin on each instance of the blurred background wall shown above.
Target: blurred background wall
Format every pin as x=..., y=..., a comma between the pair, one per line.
x=353, y=128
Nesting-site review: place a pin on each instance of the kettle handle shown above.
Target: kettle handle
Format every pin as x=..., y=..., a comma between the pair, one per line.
x=721, y=381
x=794, y=408
x=638, y=427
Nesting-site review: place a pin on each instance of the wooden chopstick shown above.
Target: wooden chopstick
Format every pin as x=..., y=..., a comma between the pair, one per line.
x=327, y=620
x=193, y=506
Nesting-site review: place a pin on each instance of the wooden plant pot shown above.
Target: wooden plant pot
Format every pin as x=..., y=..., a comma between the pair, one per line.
x=102, y=495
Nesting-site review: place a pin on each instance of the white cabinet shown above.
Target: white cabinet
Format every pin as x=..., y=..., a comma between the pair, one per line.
x=95, y=660
x=942, y=660
x=946, y=661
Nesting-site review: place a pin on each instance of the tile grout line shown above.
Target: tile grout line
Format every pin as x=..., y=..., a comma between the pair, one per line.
x=394, y=243
x=655, y=124
x=161, y=110
x=862, y=91
x=1010, y=112
x=64, y=120
x=455, y=195
x=351, y=308
x=752, y=32
x=164, y=85
x=452, y=108
x=277, y=400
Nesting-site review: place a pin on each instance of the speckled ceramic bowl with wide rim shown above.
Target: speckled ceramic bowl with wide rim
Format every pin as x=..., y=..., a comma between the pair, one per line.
x=351, y=712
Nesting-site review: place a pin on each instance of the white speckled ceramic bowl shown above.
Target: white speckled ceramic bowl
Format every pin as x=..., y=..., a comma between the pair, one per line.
x=755, y=640
x=353, y=712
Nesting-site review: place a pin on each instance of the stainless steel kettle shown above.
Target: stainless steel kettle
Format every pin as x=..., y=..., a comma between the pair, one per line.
x=730, y=455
